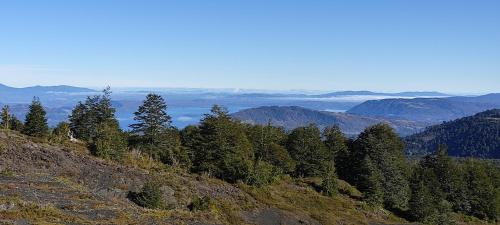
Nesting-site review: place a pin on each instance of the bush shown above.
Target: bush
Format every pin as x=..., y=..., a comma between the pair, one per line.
x=263, y=174
x=200, y=203
x=150, y=196
x=110, y=142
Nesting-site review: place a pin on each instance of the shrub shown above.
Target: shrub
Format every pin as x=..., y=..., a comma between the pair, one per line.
x=263, y=174
x=200, y=203
x=150, y=196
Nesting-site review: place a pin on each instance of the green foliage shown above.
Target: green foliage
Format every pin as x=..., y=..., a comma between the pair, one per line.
x=36, y=121
x=480, y=191
x=150, y=196
x=200, y=203
x=370, y=182
x=267, y=142
x=61, y=133
x=16, y=124
x=306, y=148
x=87, y=116
x=329, y=182
x=440, y=185
x=94, y=122
x=151, y=117
x=155, y=134
x=5, y=117
x=385, y=151
x=279, y=157
x=110, y=142
x=263, y=174
x=223, y=149
x=426, y=195
x=335, y=141
x=476, y=136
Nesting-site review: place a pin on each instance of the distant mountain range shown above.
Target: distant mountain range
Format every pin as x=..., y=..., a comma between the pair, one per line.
x=4, y=89
x=398, y=94
x=61, y=93
x=291, y=117
x=432, y=110
x=477, y=135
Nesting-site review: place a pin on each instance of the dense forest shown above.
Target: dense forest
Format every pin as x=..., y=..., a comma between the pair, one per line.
x=426, y=190
x=476, y=136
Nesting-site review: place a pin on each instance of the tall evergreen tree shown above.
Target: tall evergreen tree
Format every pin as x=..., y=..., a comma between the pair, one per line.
x=152, y=118
x=156, y=135
x=370, y=182
x=224, y=150
x=87, y=116
x=5, y=117
x=94, y=121
x=385, y=149
x=36, y=121
x=306, y=148
x=335, y=141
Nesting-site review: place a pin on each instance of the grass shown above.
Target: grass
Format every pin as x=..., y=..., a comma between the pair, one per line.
x=301, y=199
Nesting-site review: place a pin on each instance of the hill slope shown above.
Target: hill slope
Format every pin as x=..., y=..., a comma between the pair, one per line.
x=291, y=117
x=477, y=135
x=62, y=184
x=427, y=109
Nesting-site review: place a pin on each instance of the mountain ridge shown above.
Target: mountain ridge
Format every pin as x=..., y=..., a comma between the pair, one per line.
x=291, y=117
x=476, y=136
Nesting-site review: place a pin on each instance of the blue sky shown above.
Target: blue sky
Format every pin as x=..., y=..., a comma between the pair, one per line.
x=451, y=46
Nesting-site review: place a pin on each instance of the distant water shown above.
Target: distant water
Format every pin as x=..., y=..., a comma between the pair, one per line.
x=181, y=116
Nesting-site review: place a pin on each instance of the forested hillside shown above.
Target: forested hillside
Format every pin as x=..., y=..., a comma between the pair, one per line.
x=427, y=109
x=477, y=136
x=291, y=117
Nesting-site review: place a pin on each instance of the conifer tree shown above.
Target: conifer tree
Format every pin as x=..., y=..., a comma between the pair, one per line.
x=5, y=118
x=224, y=150
x=151, y=117
x=87, y=116
x=156, y=135
x=370, y=182
x=385, y=150
x=334, y=140
x=36, y=121
x=16, y=124
x=306, y=148
x=94, y=121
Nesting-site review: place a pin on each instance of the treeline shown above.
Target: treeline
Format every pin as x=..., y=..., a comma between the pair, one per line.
x=425, y=191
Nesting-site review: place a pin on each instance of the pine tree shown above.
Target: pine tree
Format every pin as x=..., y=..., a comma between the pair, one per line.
x=16, y=124
x=385, y=150
x=306, y=148
x=151, y=117
x=423, y=203
x=224, y=150
x=36, y=121
x=155, y=133
x=5, y=118
x=370, y=182
x=334, y=140
x=87, y=116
